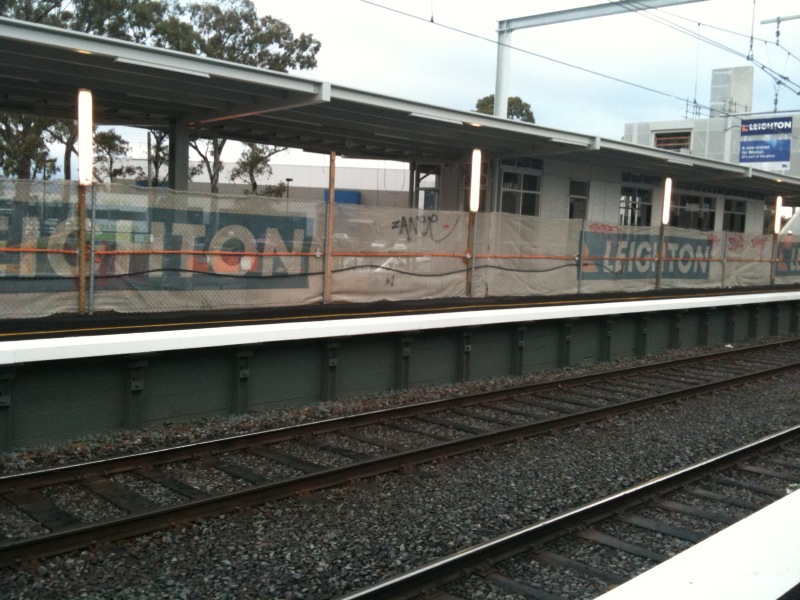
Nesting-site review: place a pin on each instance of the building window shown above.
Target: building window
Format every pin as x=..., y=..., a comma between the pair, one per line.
x=578, y=199
x=635, y=206
x=733, y=218
x=426, y=185
x=693, y=212
x=674, y=140
x=519, y=188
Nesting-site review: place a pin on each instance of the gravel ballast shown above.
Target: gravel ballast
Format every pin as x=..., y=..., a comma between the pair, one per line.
x=346, y=538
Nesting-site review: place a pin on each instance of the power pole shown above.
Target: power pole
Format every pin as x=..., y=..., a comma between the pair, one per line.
x=778, y=21
x=505, y=28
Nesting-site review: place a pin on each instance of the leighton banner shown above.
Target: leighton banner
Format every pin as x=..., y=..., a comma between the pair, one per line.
x=766, y=142
x=153, y=249
x=772, y=126
x=632, y=256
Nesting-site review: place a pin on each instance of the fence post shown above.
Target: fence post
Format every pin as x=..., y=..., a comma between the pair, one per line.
x=82, y=249
x=92, y=240
x=470, y=251
x=660, y=255
x=579, y=256
x=724, y=258
x=326, y=288
x=773, y=265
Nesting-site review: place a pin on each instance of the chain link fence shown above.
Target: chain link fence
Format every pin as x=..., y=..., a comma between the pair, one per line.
x=155, y=250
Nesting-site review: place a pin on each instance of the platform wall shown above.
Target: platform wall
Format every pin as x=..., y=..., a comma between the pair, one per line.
x=51, y=402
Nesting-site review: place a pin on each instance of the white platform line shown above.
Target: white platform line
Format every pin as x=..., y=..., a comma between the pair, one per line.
x=757, y=558
x=64, y=348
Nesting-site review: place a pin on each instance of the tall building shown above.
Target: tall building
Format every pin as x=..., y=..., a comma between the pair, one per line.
x=733, y=133
x=731, y=91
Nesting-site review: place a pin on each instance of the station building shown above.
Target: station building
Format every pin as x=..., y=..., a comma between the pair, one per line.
x=527, y=169
x=489, y=206
x=733, y=134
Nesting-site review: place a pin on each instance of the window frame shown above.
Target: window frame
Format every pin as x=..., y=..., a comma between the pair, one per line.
x=730, y=216
x=520, y=192
x=636, y=206
x=673, y=140
x=575, y=195
x=693, y=211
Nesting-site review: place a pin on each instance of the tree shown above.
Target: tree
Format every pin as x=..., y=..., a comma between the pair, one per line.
x=109, y=147
x=23, y=151
x=253, y=163
x=157, y=156
x=232, y=30
x=229, y=30
x=517, y=108
x=210, y=153
x=35, y=11
x=64, y=132
x=132, y=20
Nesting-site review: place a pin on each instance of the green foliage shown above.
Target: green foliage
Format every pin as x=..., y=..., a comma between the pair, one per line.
x=23, y=151
x=158, y=153
x=210, y=153
x=109, y=147
x=229, y=30
x=48, y=12
x=65, y=133
x=517, y=108
x=253, y=163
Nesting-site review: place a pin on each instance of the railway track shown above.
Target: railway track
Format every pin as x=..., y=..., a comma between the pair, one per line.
x=589, y=550
x=275, y=464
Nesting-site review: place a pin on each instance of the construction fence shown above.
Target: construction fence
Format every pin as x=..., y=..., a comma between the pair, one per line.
x=151, y=250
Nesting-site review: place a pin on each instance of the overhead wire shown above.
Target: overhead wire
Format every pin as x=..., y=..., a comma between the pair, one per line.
x=653, y=15
x=529, y=52
x=789, y=53
x=776, y=76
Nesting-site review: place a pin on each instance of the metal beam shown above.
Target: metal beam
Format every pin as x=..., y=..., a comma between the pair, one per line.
x=780, y=20
x=504, y=29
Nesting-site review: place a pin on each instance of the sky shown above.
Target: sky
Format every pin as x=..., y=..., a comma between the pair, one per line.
x=590, y=76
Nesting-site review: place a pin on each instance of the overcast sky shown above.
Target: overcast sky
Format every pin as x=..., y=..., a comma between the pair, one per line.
x=391, y=47
x=590, y=76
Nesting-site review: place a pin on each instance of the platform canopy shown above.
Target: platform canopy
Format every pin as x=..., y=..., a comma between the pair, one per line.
x=141, y=86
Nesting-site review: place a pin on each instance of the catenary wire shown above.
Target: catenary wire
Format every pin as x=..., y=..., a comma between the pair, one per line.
x=777, y=77
x=570, y=65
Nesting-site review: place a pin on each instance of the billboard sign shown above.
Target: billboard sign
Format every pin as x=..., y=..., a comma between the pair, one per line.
x=773, y=126
x=766, y=143
x=773, y=151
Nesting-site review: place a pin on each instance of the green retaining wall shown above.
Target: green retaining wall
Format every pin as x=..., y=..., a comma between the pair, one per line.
x=60, y=401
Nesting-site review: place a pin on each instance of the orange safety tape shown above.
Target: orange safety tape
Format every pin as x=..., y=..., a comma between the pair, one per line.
x=36, y=251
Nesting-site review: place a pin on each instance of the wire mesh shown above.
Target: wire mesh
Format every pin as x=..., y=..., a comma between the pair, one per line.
x=156, y=250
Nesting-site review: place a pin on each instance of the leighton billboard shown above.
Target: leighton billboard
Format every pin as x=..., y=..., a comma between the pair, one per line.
x=772, y=126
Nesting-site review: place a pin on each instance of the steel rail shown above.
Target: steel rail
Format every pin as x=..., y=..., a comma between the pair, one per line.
x=460, y=564
x=85, y=535
x=153, y=458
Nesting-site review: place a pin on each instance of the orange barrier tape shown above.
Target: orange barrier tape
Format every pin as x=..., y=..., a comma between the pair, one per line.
x=584, y=259
x=12, y=250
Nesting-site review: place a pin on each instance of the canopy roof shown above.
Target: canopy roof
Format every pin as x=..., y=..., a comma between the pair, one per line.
x=141, y=86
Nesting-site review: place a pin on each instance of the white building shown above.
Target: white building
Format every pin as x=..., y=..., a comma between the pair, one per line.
x=385, y=183
x=731, y=134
